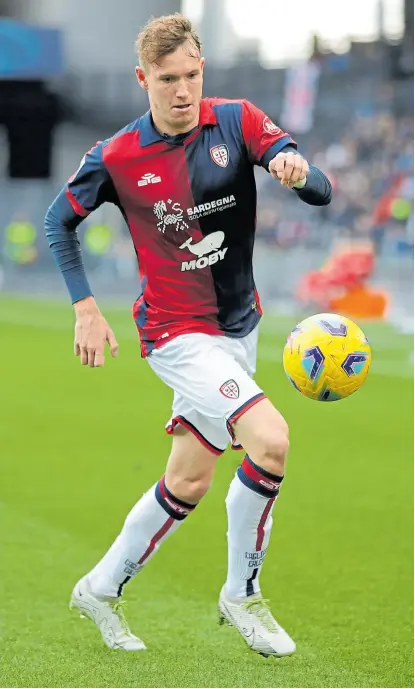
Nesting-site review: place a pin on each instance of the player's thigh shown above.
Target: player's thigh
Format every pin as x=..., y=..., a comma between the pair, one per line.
x=263, y=433
x=190, y=467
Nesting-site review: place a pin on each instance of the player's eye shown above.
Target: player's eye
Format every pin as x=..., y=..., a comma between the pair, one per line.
x=167, y=80
x=192, y=75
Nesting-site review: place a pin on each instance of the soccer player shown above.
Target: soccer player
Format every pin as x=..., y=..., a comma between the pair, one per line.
x=182, y=176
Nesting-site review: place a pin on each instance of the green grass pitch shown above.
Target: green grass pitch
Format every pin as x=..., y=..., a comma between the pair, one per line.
x=79, y=446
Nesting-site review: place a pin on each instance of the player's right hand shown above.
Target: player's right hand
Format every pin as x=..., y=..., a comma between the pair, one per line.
x=92, y=333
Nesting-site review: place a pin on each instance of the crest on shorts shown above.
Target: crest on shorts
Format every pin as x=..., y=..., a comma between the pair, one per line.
x=220, y=155
x=230, y=389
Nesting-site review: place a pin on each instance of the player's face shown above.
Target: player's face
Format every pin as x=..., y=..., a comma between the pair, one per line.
x=174, y=88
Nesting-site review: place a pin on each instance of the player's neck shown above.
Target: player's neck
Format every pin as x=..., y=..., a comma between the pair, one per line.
x=167, y=130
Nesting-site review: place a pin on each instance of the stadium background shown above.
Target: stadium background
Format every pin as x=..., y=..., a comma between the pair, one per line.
x=77, y=447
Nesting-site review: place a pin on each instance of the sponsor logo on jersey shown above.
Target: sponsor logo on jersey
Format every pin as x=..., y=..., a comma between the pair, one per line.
x=211, y=244
x=211, y=207
x=204, y=261
x=148, y=178
x=230, y=389
x=270, y=127
x=220, y=155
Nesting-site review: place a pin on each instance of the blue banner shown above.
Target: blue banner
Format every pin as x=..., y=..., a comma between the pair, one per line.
x=29, y=52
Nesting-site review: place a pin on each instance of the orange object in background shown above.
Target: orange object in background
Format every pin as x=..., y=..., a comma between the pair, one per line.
x=361, y=302
x=339, y=285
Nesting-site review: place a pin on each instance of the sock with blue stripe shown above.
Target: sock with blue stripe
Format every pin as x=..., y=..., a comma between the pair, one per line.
x=249, y=503
x=151, y=521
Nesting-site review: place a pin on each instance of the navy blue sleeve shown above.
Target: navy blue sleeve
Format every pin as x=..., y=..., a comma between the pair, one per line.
x=318, y=190
x=60, y=226
x=87, y=189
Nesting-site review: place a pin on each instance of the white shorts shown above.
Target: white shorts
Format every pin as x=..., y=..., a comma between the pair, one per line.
x=211, y=376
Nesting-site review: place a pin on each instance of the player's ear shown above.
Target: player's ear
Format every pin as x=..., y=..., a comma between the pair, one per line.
x=202, y=63
x=141, y=77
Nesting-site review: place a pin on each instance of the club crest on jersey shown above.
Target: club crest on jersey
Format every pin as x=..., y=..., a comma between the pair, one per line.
x=220, y=155
x=270, y=127
x=230, y=389
x=169, y=213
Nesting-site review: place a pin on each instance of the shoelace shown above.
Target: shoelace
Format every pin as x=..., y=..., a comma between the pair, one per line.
x=260, y=609
x=119, y=608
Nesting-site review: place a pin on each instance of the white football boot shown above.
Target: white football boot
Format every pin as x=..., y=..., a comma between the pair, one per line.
x=108, y=615
x=253, y=619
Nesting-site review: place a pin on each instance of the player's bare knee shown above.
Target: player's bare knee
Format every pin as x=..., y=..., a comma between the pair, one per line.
x=190, y=490
x=263, y=433
x=272, y=449
x=190, y=468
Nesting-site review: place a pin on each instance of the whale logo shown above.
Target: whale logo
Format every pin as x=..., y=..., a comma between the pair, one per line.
x=210, y=243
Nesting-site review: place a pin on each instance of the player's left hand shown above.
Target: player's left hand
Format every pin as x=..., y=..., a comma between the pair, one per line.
x=290, y=168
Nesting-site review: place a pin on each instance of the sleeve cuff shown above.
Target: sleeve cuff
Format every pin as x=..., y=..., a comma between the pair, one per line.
x=301, y=184
x=272, y=151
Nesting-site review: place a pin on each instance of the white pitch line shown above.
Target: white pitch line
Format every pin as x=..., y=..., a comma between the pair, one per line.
x=381, y=367
x=399, y=343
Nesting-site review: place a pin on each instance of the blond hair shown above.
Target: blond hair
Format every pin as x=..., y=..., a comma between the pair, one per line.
x=162, y=35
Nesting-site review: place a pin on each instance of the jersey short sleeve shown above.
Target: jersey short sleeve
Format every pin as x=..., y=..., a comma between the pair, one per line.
x=91, y=185
x=262, y=137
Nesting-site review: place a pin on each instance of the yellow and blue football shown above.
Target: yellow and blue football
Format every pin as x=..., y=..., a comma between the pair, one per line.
x=327, y=357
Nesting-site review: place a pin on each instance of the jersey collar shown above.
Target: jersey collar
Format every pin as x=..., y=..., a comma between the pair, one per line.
x=150, y=135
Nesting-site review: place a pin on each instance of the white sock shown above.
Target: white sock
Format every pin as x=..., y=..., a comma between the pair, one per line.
x=250, y=502
x=153, y=518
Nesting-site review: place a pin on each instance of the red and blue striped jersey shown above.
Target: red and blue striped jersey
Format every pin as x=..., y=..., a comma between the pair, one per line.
x=190, y=204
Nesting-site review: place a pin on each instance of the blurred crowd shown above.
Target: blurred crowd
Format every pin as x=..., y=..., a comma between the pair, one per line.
x=371, y=170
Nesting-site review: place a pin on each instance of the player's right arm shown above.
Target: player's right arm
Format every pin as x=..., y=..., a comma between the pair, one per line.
x=86, y=190
x=277, y=153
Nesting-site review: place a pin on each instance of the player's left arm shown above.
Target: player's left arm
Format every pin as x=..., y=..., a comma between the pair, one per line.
x=277, y=152
x=87, y=190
